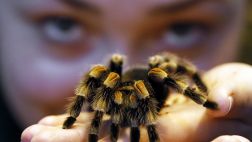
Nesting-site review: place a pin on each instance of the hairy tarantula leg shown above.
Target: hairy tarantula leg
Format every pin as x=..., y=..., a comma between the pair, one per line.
x=198, y=81
x=147, y=108
x=116, y=115
x=116, y=63
x=198, y=97
x=172, y=64
x=102, y=103
x=134, y=134
x=114, y=129
x=188, y=69
x=83, y=91
x=74, y=111
x=161, y=91
x=152, y=133
x=103, y=98
x=155, y=61
x=95, y=126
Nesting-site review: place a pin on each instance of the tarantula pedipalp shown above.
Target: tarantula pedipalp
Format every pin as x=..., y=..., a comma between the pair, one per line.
x=135, y=98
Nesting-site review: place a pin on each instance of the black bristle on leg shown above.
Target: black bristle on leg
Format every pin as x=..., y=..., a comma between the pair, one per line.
x=195, y=96
x=152, y=133
x=69, y=122
x=115, y=64
x=161, y=93
x=173, y=84
x=95, y=126
x=181, y=69
x=92, y=138
x=211, y=105
x=114, y=129
x=116, y=68
x=200, y=99
x=196, y=78
x=74, y=109
x=134, y=134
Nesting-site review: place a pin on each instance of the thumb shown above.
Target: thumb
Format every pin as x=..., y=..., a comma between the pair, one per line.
x=230, y=86
x=39, y=133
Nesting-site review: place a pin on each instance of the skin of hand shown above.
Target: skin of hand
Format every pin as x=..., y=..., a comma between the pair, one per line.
x=233, y=138
x=229, y=85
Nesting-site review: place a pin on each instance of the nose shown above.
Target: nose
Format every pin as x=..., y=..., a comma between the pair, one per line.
x=119, y=44
x=116, y=44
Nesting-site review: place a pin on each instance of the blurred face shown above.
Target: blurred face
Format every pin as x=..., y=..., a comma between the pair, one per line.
x=46, y=45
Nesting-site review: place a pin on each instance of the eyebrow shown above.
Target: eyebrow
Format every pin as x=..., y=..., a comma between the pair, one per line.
x=82, y=5
x=177, y=6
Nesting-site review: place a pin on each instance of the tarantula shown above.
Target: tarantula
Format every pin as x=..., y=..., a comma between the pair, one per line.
x=135, y=98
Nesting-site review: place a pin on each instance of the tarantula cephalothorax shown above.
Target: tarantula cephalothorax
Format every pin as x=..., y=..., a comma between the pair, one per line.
x=135, y=98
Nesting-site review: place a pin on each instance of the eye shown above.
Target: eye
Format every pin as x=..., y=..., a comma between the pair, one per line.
x=62, y=29
x=184, y=35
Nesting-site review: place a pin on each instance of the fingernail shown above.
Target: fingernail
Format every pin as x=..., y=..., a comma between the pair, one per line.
x=224, y=103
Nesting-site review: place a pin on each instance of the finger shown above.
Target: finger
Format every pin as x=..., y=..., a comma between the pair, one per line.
x=53, y=120
x=56, y=120
x=234, y=138
x=39, y=133
x=29, y=132
x=191, y=124
x=179, y=125
x=230, y=87
x=222, y=95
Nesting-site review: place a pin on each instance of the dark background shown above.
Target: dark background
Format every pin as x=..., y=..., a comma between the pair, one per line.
x=246, y=40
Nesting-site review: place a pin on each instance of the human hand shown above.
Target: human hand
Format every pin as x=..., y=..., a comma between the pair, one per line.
x=229, y=85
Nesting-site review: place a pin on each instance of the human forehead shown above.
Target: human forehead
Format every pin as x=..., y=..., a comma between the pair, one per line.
x=149, y=3
x=122, y=4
